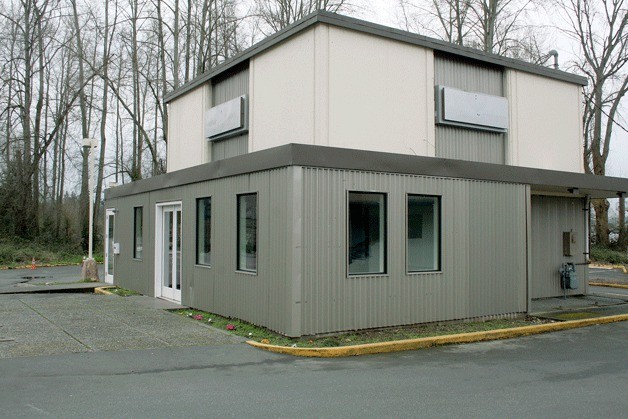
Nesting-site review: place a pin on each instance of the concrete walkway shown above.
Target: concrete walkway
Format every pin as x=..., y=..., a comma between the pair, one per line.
x=47, y=279
x=47, y=324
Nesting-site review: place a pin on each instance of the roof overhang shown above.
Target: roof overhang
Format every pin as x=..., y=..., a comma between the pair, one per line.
x=540, y=180
x=362, y=26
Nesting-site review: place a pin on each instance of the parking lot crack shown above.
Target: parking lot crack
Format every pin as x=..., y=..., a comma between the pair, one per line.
x=89, y=348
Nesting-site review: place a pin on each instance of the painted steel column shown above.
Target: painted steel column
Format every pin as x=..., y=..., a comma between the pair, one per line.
x=295, y=255
x=528, y=248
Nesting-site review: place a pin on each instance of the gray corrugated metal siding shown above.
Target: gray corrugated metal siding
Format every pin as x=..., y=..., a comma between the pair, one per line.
x=234, y=85
x=473, y=213
x=551, y=216
x=261, y=298
x=462, y=143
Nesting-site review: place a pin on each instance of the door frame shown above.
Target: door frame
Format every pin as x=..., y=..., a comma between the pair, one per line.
x=159, y=241
x=109, y=275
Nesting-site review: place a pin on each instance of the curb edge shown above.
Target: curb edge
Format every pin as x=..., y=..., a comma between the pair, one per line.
x=420, y=343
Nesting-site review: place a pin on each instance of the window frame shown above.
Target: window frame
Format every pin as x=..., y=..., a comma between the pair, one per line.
x=438, y=231
x=384, y=271
x=135, y=235
x=197, y=253
x=238, y=198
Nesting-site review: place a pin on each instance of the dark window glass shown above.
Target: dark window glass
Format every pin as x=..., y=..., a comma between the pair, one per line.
x=423, y=245
x=138, y=230
x=247, y=232
x=367, y=233
x=203, y=231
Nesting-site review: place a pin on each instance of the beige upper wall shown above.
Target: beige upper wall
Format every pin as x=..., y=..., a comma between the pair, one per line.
x=187, y=145
x=545, y=122
x=335, y=87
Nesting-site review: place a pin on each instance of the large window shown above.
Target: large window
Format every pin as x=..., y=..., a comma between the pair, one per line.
x=137, y=232
x=247, y=232
x=203, y=231
x=423, y=244
x=367, y=233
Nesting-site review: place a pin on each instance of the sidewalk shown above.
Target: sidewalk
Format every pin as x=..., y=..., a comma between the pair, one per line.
x=47, y=279
x=49, y=324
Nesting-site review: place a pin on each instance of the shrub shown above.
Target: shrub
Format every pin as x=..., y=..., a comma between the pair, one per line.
x=605, y=255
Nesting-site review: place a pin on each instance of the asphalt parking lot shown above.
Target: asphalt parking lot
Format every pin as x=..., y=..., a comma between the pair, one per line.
x=50, y=324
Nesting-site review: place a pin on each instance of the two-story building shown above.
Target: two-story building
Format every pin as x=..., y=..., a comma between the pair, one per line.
x=343, y=175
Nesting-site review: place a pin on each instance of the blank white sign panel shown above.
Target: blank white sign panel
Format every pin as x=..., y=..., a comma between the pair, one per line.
x=474, y=108
x=227, y=116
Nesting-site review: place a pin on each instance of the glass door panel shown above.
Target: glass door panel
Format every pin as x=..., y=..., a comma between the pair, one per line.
x=170, y=266
x=109, y=240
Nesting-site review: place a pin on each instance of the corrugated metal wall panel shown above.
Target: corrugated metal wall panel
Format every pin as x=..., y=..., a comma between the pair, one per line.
x=226, y=89
x=230, y=147
x=463, y=143
x=235, y=85
x=262, y=298
x=551, y=216
x=332, y=301
x=468, y=75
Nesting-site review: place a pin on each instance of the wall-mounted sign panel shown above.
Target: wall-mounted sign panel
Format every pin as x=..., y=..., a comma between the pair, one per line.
x=227, y=119
x=471, y=110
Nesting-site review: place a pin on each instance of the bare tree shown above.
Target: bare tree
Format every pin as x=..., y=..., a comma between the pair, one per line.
x=493, y=26
x=277, y=14
x=600, y=30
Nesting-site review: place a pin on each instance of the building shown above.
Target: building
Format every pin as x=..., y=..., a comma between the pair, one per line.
x=343, y=175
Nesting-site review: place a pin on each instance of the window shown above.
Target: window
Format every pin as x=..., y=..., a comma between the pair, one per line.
x=247, y=232
x=367, y=233
x=203, y=231
x=423, y=245
x=137, y=229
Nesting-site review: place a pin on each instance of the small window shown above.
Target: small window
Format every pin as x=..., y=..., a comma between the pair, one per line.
x=203, y=231
x=247, y=232
x=367, y=233
x=138, y=230
x=423, y=241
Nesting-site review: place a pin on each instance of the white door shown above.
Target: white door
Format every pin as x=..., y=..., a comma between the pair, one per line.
x=110, y=217
x=168, y=251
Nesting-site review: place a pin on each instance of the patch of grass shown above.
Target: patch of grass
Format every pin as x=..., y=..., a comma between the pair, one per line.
x=261, y=334
x=610, y=256
x=122, y=292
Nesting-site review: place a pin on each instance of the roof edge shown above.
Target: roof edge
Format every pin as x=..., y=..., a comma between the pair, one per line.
x=363, y=26
x=543, y=180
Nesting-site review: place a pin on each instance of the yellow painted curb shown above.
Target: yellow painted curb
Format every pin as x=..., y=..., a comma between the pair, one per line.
x=410, y=344
x=622, y=268
x=103, y=291
x=608, y=284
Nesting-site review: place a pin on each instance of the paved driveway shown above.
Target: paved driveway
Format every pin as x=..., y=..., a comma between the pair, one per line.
x=48, y=324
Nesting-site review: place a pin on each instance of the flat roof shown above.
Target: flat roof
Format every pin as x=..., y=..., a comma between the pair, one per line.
x=540, y=180
x=346, y=22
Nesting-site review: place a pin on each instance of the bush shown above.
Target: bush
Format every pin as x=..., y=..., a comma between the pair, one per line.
x=605, y=255
x=16, y=252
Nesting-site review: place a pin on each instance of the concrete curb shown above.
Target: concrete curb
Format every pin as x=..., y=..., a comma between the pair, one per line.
x=419, y=343
x=103, y=291
x=608, y=284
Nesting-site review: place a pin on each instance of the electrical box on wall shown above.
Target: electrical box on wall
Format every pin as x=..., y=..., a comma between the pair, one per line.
x=569, y=243
x=116, y=248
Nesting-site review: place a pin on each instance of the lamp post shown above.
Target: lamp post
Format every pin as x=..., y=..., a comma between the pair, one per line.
x=89, y=265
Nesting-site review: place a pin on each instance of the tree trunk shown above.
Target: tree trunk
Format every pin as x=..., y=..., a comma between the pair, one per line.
x=600, y=206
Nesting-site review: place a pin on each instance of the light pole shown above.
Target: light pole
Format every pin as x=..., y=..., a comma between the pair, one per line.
x=89, y=265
